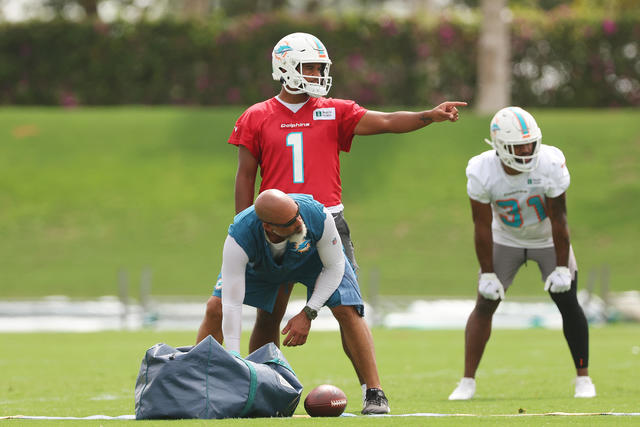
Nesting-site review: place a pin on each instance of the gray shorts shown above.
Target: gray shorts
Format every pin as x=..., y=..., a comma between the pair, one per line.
x=345, y=236
x=507, y=261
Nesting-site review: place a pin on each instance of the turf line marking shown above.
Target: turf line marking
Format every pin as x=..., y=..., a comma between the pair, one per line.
x=91, y=417
x=546, y=414
x=346, y=414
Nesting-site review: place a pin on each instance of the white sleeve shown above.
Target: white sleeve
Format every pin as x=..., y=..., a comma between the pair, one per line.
x=476, y=191
x=332, y=257
x=475, y=188
x=234, y=264
x=558, y=178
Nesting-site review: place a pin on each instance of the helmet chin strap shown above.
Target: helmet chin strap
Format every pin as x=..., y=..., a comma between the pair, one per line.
x=299, y=91
x=292, y=91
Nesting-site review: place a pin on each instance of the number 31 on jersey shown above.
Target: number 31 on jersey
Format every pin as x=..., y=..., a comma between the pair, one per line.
x=512, y=213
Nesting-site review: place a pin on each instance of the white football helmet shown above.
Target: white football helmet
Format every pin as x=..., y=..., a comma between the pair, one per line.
x=513, y=126
x=287, y=58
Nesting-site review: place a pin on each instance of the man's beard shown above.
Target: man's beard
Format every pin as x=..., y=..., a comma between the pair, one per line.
x=298, y=238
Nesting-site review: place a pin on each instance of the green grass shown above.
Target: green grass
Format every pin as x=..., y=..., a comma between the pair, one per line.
x=85, y=193
x=86, y=374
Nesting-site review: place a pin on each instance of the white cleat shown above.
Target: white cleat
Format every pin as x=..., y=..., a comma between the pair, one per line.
x=465, y=390
x=584, y=387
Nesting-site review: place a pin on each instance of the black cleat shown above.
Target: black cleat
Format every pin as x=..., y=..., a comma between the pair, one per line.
x=375, y=402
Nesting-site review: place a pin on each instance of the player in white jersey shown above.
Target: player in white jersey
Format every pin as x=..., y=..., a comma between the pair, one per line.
x=517, y=193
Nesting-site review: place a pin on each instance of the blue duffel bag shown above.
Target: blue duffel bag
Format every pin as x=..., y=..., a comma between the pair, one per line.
x=206, y=381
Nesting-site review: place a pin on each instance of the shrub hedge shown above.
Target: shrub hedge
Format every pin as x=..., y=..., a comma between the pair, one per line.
x=558, y=61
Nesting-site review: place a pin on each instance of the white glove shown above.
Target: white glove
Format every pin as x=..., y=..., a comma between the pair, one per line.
x=490, y=287
x=559, y=280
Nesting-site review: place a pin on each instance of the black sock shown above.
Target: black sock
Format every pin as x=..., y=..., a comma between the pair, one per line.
x=574, y=324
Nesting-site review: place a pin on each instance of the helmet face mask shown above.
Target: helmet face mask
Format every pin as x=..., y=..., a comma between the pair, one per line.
x=287, y=60
x=512, y=127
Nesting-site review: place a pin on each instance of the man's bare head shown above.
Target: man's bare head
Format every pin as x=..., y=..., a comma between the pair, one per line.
x=275, y=207
x=280, y=216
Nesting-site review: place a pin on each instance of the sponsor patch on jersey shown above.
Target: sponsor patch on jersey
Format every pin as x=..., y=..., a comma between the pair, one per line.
x=534, y=181
x=334, y=241
x=324, y=113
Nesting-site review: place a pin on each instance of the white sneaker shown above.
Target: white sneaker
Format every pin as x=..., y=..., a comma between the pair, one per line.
x=465, y=390
x=584, y=387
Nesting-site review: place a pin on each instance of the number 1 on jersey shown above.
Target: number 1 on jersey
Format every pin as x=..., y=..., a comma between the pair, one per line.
x=294, y=140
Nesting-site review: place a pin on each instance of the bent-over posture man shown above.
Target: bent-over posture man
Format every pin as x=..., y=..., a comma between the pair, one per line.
x=517, y=193
x=293, y=238
x=295, y=139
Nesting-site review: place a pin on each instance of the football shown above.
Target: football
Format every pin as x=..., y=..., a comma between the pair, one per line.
x=326, y=400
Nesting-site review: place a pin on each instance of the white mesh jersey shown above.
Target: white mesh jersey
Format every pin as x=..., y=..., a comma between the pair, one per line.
x=518, y=201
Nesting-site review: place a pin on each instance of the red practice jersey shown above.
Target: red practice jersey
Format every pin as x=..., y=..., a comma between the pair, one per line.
x=299, y=152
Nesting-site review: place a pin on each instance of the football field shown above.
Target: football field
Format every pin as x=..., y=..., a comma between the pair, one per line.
x=89, y=193
x=523, y=374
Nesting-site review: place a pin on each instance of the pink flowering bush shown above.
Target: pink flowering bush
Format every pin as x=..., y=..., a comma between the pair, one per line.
x=563, y=60
x=575, y=62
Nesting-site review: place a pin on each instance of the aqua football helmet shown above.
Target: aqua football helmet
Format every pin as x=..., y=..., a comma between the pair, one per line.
x=510, y=127
x=287, y=58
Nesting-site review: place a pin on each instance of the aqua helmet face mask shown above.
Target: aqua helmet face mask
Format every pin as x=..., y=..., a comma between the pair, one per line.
x=511, y=127
x=287, y=60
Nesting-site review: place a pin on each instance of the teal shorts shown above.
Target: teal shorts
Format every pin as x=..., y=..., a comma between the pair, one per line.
x=262, y=294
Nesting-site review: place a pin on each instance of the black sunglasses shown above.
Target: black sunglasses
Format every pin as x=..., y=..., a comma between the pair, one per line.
x=288, y=223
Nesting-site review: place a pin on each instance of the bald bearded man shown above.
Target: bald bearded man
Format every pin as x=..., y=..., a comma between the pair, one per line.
x=287, y=239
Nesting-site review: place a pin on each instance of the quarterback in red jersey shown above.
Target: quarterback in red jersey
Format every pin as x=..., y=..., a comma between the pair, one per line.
x=295, y=139
x=299, y=152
